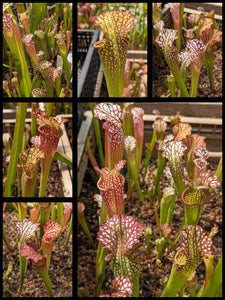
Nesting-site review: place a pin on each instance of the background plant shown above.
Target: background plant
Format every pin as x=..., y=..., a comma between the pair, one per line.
x=198, y=37
x=38, y=32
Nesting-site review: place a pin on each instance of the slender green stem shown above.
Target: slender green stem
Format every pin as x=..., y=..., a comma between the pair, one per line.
x=69, y=233
x=49, y=108
x=149, y=153
x=194, y=81
x=45, y=210
x=160, y=167
x=8, y=290
x=101, y=253
x=23, y=267
x=179, y=80
x=66, y=67
x=44, y=274
x=16, y=146
x=100, y=268
x=34, y=133
x=174, y=284
x=219, y=172
x=22, y=210
x=97, y=134
x=53, y=211
x=45, y=168
x=208, y=60
x=166, y=208
x=136, y=181
x=180, y=27
x=14, y=206
x=82, y=221
x=171, y=84
x=59, y=155
x=215, y=284
x=5, y=238
x=59, y=218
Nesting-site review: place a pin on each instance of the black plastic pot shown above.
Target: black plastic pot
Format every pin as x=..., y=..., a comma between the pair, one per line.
x=88, y=61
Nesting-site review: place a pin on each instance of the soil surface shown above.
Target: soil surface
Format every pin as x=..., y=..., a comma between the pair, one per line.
x=160, y=70
x=60, y=271
x=152, y=275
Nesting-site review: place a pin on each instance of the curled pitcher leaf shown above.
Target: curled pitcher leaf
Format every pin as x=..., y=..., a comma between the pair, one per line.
x=196, y=48
x=110, y=112
x=130, y=146
x=190, y=33
x=174, y=151
x=131, y=152
x=112, y=50
x=50, y=76
x=194, y=199
x=196, y=141
x=24, y=19
x=206, y=180
x=67, y=210
x=182, y=132
x=42, y=65
x=111, y=186
x=50, y=133
x=30, y=47
x=119, y=234
x=114, y=136
x=208, y=35
x=30, y=251
x=52, y=230
x=165, y=40
x=159, y=126
x=138, y=129
x=26, y=229
x=195, y=245
x=201, y=152
x=127, y=119
x=63, y=49
x=175, y=12
x=167, y=205
x=123, y=287
x=38, y=93
x=29, y=157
